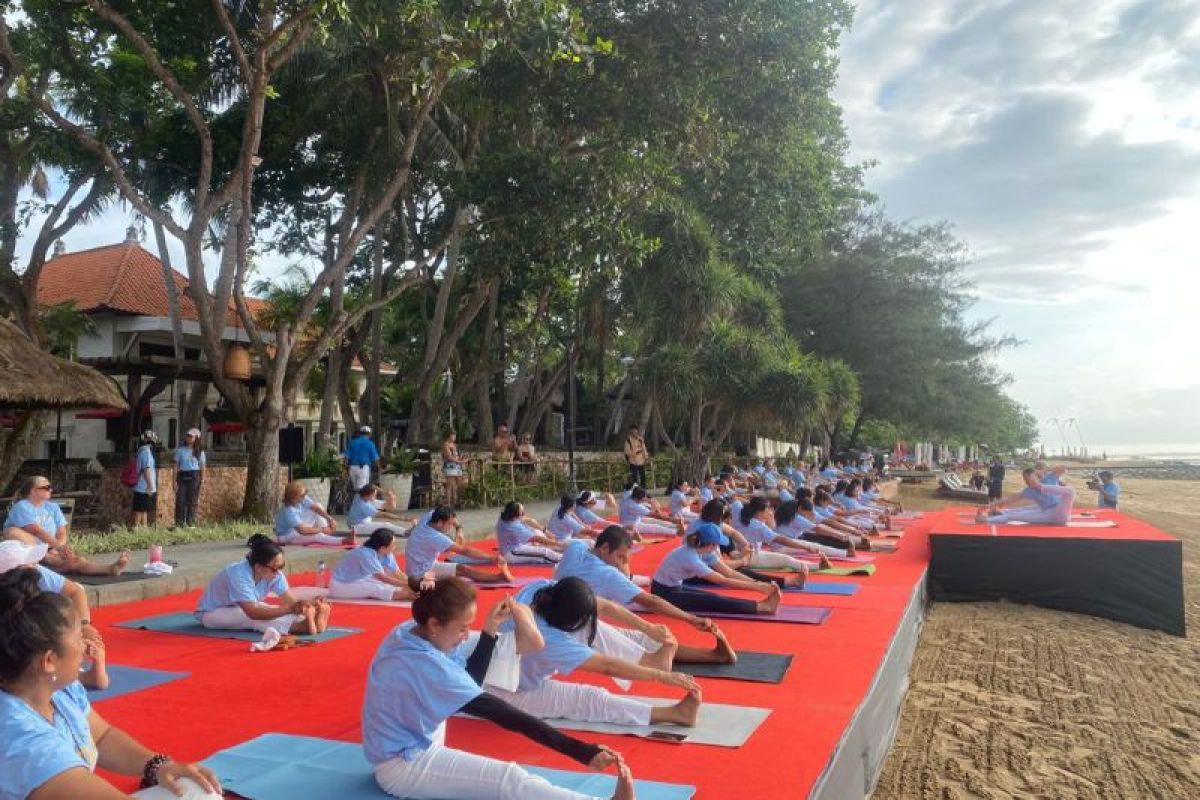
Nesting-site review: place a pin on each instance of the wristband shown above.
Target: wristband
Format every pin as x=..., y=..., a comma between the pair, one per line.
x=150, y=771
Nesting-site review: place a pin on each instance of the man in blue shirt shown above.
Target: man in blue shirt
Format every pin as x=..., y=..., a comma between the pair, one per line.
x=361, y=455
x=1108, y=491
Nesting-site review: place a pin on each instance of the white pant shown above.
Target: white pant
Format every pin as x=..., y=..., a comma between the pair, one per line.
x=442, y=772
x=768, y=559
x=687, y=515
x=191, y=791
x=234, y=619
x=653, y=526
x=623, y=643
x=310, y=538
x=360, y=476
x=365, y=589
x=369, y=526
x=577, y=701
x=532, y=554
x=1055, y=515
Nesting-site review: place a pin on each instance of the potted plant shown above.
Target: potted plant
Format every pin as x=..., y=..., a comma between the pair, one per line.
x=317, y=471
x=398, y=475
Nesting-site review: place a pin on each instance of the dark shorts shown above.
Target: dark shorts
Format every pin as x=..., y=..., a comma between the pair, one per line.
x=144, y=502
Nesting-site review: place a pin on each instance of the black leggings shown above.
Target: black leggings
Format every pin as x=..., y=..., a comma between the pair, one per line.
x=825, y=539
x=701, y=601
x=762, y=576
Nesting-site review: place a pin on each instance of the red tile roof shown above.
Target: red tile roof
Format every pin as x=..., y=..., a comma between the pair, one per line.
x=122, y=278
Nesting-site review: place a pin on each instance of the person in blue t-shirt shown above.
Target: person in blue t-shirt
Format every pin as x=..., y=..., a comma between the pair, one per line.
x=523, y=540
x=424, y=672
x=301, y=520
x=360, y=456
x=370, y=572
x=1108, y=491
x=440, y=533
x=234, y=598
x=565, y=523
x=189, y=477
x=145, y=491
x=698, y=560
x=370, y=511
x=53, y=739
x=566, y=613
x=635, y=511
x=36, y=519
x=1043, y=504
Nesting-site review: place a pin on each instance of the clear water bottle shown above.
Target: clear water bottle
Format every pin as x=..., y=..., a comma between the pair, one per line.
x=321, y=576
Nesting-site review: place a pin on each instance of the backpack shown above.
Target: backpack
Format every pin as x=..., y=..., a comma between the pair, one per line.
x=129, y=473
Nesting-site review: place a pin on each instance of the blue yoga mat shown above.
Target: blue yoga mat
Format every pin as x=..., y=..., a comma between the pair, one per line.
x=124, y=680
x=185, y=624
x=277, y=766
x=825, y=587
x=474, y=562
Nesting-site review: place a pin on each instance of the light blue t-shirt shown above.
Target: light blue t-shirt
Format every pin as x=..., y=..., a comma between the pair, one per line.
x=563, y=653
x=362, y=510
x=682, y=563
x=412, y=688
x=785, y=496
x=824, y=511
x=145, y=461
x=680, y=502
x=48, y=516
x=36, y=750
x=186, y=460
x=512, y=533
x=361, y=451
x=588, y=516
x=1041, y=498
x=706, y=494
x=631, y=511
x=50, y=581
x=564, y=527
x=1112, y=490
x=288, y=517
x=425, y=544
x=797, y=527
x=235, y=584
x=364, y=562
x=1051, y=479
x=758, y=533
x=606, y=581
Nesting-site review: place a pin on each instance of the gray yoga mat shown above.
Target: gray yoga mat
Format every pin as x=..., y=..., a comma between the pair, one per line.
x=718, y=724
x=751, y=666
x=185, y=624
x=803, y=615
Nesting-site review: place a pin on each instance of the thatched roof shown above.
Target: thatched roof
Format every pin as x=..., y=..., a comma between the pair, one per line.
x=31, y=378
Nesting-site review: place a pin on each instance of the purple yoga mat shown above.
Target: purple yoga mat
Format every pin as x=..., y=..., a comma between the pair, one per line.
x=802, y=615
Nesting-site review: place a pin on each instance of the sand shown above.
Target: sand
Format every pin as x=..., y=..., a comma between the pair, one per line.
x=1010, y=701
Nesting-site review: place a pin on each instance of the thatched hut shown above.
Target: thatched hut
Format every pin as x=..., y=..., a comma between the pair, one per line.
x=31, y=378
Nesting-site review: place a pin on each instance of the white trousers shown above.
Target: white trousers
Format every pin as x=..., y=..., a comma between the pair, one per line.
x=623, y=643
x=369, y=526
x=654, y=526
x=365, y=589
x=577, y=701
x=532, y=554
x=360, y=476
x=191, y=791
x=234, y=619
x=687, y=515
x=442, y=772
x=768, y=559
x=310, y=538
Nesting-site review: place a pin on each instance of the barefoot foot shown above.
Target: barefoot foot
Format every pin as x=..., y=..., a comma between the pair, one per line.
x=624, y=790
x=118, y=566
x=724, y=651
x=825, y=563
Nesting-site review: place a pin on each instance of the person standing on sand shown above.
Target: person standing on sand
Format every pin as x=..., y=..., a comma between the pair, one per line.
x=1108, y=490
x=996, y=479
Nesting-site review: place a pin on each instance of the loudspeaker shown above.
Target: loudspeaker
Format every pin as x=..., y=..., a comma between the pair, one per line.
x=291, y=445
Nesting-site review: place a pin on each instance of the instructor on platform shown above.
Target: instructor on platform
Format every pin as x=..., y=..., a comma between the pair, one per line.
x=360, y=456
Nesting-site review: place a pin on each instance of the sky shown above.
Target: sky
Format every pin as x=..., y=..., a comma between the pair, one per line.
x=1062, y=141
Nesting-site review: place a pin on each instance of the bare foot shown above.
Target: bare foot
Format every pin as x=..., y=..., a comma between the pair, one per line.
x=824, y=563
x=309, y=623
x=404, y=595
x=851, y=550
x=795, y=581
x=770, y=603
x=505, y=572
x=682, y=713
x=624, y=790
x=118, y=566
x=662, y=658
x=724, y=650
x=680, y=527
x=324, y=610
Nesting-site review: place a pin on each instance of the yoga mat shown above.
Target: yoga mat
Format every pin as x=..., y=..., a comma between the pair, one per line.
x=824, y=587
x=516, y=583
x=125, y=680
x=1074, y=523
x=184, y=624
x=471, y=562
x=313, y=592
x=718, y=724
x=750, y=666
x=276, y=766
x=801, y=615
x=106, y=580
x=863, y=569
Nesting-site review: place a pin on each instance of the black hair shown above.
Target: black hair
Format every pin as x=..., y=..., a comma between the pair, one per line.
x=569, y=605
x=868, y=483
x=565, y=504
x=441, y=514
x=511, y=511
x=445, y=601
x=637, y=492
x=32, y=622
x=368, y=490
x=804, y=503
x=804, y=491
x=614, y=537
x=262, y=550
x=752, y=508
x=821, y=496
x=841, y=486
x=713, y=511
x=1025, y=473
x=380, y=537
x=786, y=512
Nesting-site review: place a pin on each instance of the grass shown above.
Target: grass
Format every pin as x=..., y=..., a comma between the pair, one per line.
x=142, y=538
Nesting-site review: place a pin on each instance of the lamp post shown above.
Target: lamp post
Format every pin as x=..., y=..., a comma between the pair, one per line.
x=571, y=476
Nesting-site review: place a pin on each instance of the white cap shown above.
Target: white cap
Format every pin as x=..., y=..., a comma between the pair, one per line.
x=15, y=554
x=193, y=432
x=364, y=428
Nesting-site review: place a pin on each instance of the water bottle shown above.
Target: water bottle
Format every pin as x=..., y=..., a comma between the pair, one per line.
x=321, y=574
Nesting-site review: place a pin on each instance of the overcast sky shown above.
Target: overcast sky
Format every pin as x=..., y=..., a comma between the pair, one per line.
x=1061, y=138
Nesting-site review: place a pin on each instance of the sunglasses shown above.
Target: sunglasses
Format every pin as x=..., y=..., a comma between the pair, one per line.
x=275, y=570
x=47, y=487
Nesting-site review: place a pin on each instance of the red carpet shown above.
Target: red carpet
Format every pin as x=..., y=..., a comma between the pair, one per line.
x=234, y=695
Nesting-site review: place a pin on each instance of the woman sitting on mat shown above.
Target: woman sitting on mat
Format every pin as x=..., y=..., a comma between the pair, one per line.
x=635, y=511
x=798, y=524
x=233, y=599
x=566, y=616
x=605, y=568
x=423, y=673
x=302, y=520
x=769, y=548
x=369, y=512
x=523, y=540
x=36, y=519
x=719, y=513
x=53, y=738
x=698, y=560
x=854, y=525
x=1045, y=504
x=432, y=538
x=565, y=523
x=681, y=501
x=370, y=572
x=870, y=492
x=589, y=504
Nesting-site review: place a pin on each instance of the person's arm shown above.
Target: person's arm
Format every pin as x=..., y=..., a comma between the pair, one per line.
x=620, y=668
x=722, y=575
x=263, y=611
x=617, y=614
x=472, y=552
x=52, y=539
x=78, y=597
x=121, y=753
x=492, y=708
x=735, y=536
x=658, y=605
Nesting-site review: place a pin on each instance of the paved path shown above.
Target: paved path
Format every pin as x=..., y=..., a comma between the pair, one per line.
x=198, y=563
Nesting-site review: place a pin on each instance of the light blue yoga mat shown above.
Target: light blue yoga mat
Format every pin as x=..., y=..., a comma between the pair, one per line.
x=185, y=624
x=124, y=680
x=825, y=587
x=277, y=766
x=472, y=562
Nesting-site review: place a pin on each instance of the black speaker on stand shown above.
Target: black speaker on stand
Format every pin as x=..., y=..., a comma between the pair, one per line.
x=291, y=446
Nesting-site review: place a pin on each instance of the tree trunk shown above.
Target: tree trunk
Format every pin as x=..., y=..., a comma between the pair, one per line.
x=164, y=256
x=375, y=326
x=16, y=446
x=854, y=432
x=262, y=468
x=329, y=397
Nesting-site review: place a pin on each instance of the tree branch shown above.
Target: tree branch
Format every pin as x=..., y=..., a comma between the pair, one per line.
x=235, y=42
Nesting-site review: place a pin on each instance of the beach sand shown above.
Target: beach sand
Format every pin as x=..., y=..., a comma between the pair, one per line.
x=1011, y=701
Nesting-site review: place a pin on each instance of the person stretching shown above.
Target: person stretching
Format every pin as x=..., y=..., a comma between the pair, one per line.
x=523, y=540
x=565, y=522
x=301, y=520
x=370, y=572
x=423, y=673
x=369, y=512
x=1045, y=504
x=698, y=560
x=566, y=615
x=233, y=599
x=431, y=538
x=682, y=496
x=36, y=519
x=634, y=511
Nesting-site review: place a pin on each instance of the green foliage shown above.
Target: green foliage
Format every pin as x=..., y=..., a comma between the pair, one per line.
x=403, y=460
x=119, y=539
x=320, y=463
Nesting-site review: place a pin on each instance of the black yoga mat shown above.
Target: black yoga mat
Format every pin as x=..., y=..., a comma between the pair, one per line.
x=750, y=666
x=105, y=580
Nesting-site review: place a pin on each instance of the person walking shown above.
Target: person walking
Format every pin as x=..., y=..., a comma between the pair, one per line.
x=636, y=455
x=996, y=479
x=361, y=455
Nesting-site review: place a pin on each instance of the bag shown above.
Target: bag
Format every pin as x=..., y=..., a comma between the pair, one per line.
x=129, y=473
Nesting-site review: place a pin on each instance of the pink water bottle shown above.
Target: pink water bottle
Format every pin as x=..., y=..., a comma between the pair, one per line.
x=155, y=553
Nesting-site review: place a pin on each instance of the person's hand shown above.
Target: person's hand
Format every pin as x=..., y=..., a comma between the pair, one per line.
x=428, y=582
x=521, y=613
x=94, y=651
x=170, y=773
x=703, y=624
x=679, y=679
x=660, y=633
x=90, y=634
x=605, y=759
x=500, y=613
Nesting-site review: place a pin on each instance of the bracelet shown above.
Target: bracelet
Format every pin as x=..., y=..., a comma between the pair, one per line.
x=150, y=771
